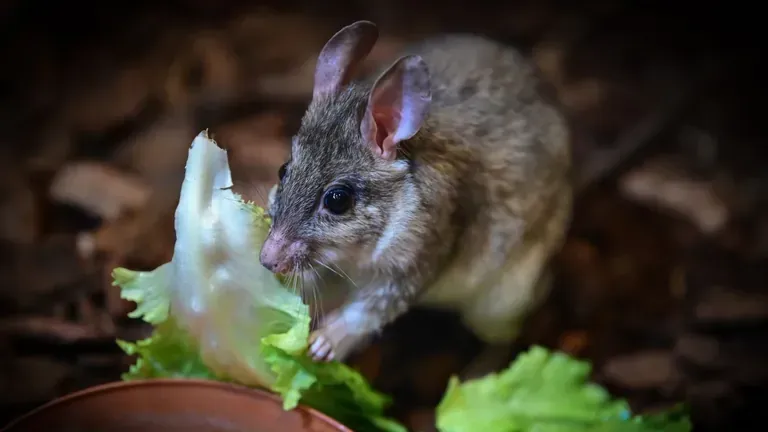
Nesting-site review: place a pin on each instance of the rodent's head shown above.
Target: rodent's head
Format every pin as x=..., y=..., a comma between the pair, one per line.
x=346, y=174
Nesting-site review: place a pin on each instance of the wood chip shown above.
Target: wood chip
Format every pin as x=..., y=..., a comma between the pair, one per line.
x=698, y=349
x=664, y=184
x=645, y=370
x=724, y=305
x=100, y=189
x=574, y=342
x=48, y=328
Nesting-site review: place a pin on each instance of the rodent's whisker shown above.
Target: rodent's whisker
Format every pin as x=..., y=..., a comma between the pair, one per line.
x=298, y=282
x=257, y=188
x=326, y=266
x=293, y=282
x=340, y=273
x=315, y=306
x=317, y=294
x=346, y=275
x=253, y=185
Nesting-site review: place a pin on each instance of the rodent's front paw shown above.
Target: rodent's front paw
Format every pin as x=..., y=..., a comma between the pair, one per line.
x=320, y=347
x=333, y=341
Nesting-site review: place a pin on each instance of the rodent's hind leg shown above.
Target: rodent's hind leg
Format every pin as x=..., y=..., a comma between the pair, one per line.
x=500, y=331
x=496, y=352
x=493, y=358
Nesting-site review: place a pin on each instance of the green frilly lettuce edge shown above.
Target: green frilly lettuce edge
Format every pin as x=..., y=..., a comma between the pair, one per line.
x=545, y=392
x=332, y=388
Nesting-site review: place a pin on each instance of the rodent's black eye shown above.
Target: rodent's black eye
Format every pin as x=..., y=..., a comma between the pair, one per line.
x=339, y=200
x=281, y=171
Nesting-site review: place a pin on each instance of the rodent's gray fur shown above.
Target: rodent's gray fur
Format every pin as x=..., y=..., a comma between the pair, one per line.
x=466, y=217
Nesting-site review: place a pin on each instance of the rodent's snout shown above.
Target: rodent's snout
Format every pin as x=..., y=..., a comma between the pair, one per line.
x=280, y=255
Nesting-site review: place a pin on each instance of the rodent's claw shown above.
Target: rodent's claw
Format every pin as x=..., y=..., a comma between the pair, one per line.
x=333, y=341
x=320, y=347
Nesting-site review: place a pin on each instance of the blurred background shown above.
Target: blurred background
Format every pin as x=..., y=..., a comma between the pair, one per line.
x=663, y=282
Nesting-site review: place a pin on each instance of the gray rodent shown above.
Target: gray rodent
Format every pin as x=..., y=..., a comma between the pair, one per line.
x=445, y=181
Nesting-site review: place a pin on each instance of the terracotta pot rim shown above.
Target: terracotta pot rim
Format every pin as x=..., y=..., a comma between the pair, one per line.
x=117, y=385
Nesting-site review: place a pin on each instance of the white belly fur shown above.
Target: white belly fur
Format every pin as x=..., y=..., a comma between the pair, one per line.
x=493, y=305
x=494, y=300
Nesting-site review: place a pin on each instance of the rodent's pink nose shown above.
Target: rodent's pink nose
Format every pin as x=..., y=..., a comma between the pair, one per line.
x=278, y=254
x=272, y=253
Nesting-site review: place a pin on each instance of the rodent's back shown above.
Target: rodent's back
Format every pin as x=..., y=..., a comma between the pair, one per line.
x=472, y=72
x=489, y=96
x=487, y=104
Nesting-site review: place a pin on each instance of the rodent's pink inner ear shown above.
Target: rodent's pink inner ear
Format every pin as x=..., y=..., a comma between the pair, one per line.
x=381, y=133
x=398, y=105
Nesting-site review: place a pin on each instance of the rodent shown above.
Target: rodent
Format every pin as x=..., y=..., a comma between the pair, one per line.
x=443, y=181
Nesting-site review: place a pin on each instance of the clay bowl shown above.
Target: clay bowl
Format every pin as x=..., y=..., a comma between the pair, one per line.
x=172, y=406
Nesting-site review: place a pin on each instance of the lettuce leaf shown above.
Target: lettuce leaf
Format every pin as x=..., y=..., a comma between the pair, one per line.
x=218, y=314
x=544, y=392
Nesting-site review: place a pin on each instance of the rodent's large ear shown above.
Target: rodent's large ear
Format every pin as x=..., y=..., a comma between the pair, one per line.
x=341, y=55
x=398, y=105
